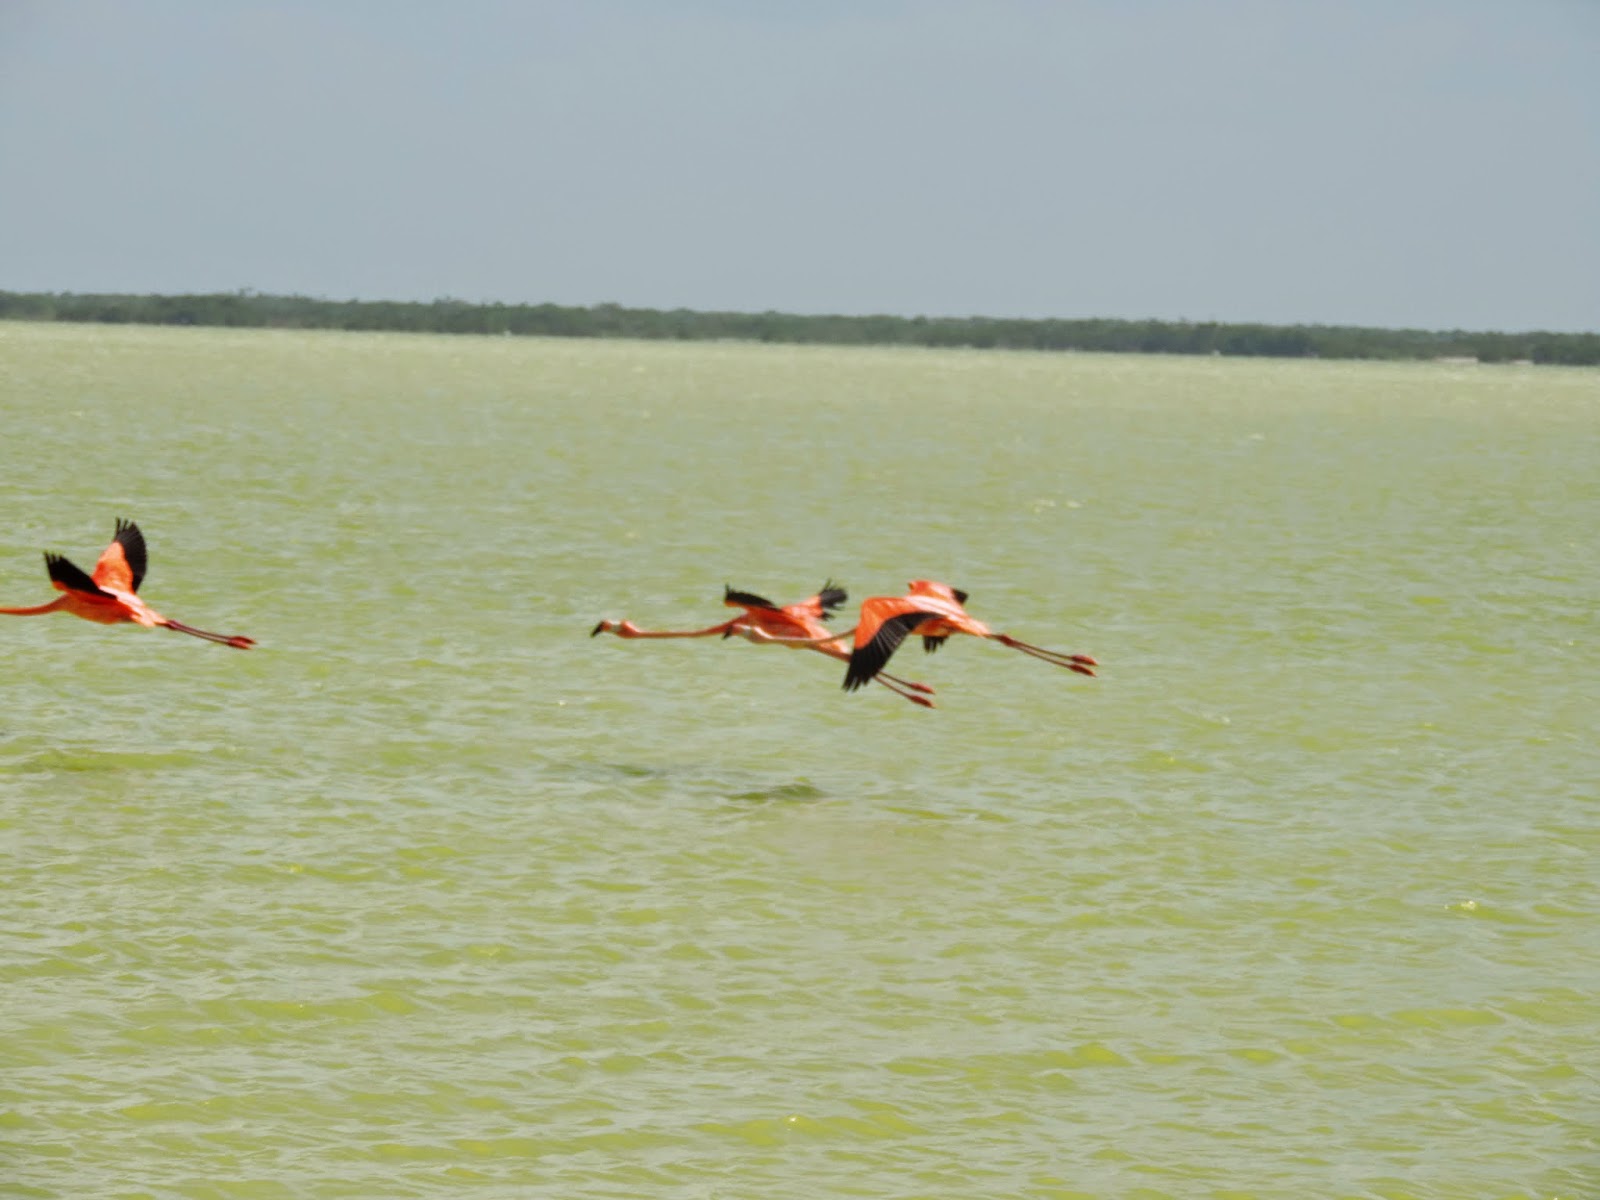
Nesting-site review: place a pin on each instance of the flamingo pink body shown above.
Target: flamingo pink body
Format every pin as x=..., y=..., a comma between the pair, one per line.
x=932, y=611
x=795, y=624
x=110, y=595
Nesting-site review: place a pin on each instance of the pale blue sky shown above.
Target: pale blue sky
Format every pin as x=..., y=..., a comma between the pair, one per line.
x=1424, y=163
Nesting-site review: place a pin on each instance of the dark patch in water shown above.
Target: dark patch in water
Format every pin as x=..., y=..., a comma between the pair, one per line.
x=793, y=792
x=105, y=760
x=637, y=772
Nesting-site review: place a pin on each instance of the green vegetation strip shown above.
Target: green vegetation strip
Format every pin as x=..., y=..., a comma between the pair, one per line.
x=249, y=309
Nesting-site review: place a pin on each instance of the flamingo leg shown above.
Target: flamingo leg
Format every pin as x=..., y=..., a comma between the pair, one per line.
x=1083, y=664
x=900, y=688
x=829, y=646
x=912, y=684
x=238, y=642
x=893, y=682
x=762, y=637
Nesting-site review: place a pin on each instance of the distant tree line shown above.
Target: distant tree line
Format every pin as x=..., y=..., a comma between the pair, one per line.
x=249, y=309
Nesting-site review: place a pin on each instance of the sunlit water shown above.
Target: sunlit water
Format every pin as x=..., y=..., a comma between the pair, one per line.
x=433, y=895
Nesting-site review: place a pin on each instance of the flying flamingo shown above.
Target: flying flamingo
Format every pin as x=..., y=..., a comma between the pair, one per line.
x=109, y=596
x=932, y=611
x=795, y=624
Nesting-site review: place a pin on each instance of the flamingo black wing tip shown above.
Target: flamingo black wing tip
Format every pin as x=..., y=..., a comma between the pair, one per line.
x=737, y=599
x=68, y=576
x=863, y=668
x=131, y=540
x=830, y=596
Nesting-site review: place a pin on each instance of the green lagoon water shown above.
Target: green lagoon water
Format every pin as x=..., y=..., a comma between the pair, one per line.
x=433, y=896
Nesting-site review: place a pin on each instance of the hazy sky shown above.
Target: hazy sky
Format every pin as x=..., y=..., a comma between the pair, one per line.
x=1425, y=163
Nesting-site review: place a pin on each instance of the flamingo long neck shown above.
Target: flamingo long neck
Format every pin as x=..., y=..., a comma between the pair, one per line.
x=676, y=633
x=37, y=609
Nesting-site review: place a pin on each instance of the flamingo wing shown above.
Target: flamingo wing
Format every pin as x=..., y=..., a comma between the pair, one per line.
x=930, y=644
x=122, y=564
x=67, y=576
x=829, y=597
x=737, y=599
x=933, y=589
x=872, y=655
x=820, y=606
